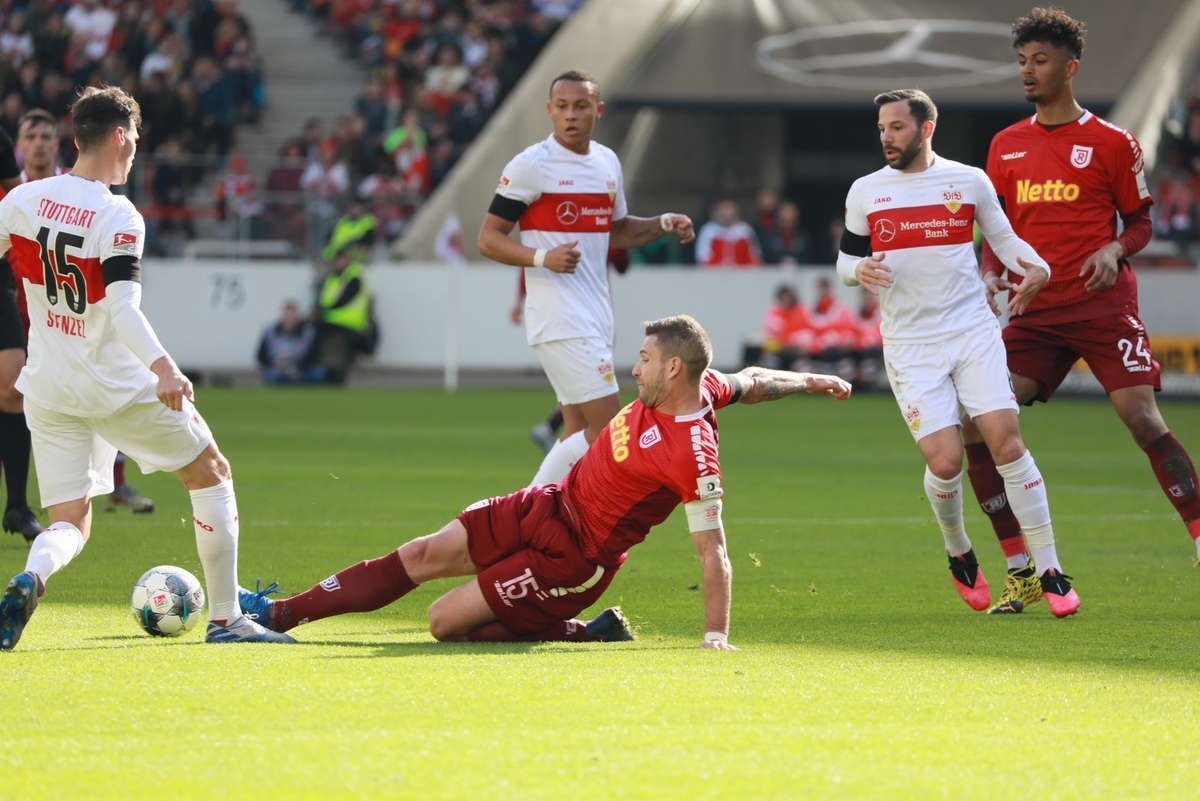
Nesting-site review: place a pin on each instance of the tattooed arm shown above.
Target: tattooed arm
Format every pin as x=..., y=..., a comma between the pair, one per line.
x=758, y=384
x=633, y=232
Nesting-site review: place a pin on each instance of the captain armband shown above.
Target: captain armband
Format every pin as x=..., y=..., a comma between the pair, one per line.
x=855, y=244
x=703, y=515
x=506, y=208
x=122, y=268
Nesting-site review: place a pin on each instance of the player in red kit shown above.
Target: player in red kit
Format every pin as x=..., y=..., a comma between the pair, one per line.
x=1064, y=176
x=544, y=554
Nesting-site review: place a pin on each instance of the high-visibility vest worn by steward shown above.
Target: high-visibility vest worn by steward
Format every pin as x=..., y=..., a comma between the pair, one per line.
x=349, y=231
x=354, y=315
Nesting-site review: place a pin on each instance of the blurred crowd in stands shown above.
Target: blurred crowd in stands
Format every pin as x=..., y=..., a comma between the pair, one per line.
x=191, y=64
x=1177, y=188
x=436, y=71
x=826, y=336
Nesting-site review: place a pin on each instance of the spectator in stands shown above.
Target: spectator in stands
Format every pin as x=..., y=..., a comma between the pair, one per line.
x=374, y=110
x=10, y=114
x=345, y=324
x=166, y=59
x=767, y=207
x=95, y=24
x=285, y=194
x=219, y=99
x=16, y=43
x=1176, y=210
x=832, y=240
x=288, y=350
x=51, y=43
x=237, y=199
x=446, y=77
x=409, y=148
x=787, y=331
x=835, y=331
x=726, y=239
x=786, y=242
x=869, y=341
x=172, y=181
x=325, y=183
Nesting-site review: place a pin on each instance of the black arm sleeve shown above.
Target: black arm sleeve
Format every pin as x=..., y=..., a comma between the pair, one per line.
x=506, y=208
x=855, y=244
x=122, y=268
x=8, y=157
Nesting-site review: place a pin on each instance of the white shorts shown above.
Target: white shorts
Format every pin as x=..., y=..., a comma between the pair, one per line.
x=75, y=455
x=580, y=370
x=930, y=380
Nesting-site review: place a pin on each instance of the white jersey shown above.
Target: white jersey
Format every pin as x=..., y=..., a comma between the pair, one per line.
x=62, y=230
x=568, y=197
x=924, y=223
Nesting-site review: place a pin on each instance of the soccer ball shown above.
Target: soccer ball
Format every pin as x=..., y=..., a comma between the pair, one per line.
x=167, y=601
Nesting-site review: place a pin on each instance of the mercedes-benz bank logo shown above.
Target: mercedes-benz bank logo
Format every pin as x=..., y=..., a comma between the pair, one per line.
x=567, y=212
x=885, y=230
x=858, y=67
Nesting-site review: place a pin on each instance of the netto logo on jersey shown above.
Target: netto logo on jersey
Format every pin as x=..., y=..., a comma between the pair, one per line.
x=618, y=435
x=1048, y=191
x=885, y=230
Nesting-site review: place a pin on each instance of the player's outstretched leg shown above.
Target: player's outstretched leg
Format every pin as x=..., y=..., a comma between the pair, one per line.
x=1177, y=476
x=608, y=626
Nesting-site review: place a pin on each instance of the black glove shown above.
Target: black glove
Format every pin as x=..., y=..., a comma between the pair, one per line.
x=8, y=157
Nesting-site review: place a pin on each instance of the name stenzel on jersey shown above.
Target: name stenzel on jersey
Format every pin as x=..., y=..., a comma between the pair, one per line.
x=62, y=230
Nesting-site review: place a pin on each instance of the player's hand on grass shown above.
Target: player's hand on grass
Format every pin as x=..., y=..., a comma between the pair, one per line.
x=1103, y=265
x=828, y=385
x=872, y=273
x=563, y=259
x=717, y=645
x=173, y=386
x=995, y=285
x=681, y=226
x=1036, y=277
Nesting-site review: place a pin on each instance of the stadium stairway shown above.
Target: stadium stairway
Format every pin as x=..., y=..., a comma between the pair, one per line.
x=306, y=76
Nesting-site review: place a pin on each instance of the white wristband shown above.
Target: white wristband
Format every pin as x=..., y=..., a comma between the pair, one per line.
x=539, y=258
x=667, y=222
x=716, y=636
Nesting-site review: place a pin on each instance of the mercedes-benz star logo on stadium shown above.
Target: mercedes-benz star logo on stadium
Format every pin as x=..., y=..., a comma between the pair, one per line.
x=567, y=212
x=885, y=230
x=856, y=68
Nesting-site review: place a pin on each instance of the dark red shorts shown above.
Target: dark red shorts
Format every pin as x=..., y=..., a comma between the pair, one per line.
x=531, y=566
x=1115, y=347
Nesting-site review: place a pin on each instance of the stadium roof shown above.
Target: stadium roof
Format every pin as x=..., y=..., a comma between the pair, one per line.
x=795, y=53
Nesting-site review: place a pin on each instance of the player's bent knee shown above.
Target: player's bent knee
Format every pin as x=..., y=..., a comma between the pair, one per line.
x=442, y=624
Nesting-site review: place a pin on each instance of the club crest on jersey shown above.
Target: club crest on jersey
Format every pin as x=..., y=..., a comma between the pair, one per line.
x=612, y=189
x=913, y=418
x=651, y=436
x=953, y=199
x=1081, y=156
x=125, y=243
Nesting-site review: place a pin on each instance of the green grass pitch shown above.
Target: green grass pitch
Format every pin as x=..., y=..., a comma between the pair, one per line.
x=862, y=672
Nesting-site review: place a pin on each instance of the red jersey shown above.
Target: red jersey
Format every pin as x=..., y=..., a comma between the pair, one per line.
x=1063, y=189
x=643, y=465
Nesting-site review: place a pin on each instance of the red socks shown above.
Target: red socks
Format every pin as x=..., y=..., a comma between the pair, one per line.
x=363, y=587
x=993, y=499
x=566, y=631
x=1177, y=476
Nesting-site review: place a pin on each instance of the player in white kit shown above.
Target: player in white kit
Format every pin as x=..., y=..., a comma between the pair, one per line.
x=97, y=378
x=567, y=193
x=908, y=239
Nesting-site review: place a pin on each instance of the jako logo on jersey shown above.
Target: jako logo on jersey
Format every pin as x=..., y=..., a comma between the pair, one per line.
x=650, y=436
x=331, y=584
x=698, y=450
x=1081, y=156
x=885, y=230
x=881, y=200
x=566, y=182
x=618, y=436
x=1019, y=154
x=1029, y=192
x=953, y=200
x=995, y=503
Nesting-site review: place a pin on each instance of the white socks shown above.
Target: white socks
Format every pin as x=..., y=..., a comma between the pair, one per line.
x=53, y=549
x=945, y=496
x=1027, y=498
x=560, y=459
x=214, y=512
x=1019, y=561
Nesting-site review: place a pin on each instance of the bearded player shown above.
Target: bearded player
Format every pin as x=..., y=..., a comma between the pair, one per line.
x=544, y=554
x=909, y=239
x=568, y=195
x=1064, y=177
x=97, y=377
